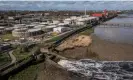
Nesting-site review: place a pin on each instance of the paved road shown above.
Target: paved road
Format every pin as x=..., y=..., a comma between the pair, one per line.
x=12, y=57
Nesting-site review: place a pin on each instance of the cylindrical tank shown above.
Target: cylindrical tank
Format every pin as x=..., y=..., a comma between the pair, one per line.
x=19, y=32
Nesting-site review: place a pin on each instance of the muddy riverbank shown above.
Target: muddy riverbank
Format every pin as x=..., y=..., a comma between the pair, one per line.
x=100, y=50
x=53, y=71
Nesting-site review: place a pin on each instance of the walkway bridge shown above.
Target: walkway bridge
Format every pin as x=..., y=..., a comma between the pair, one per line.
x=104, y=25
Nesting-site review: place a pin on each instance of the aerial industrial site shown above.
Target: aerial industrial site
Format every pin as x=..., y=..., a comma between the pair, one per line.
x=58, y=40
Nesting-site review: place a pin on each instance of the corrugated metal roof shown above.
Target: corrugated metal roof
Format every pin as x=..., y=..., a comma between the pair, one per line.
x=97, y=14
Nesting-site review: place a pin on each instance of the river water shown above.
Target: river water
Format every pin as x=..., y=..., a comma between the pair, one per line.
x=121, y=32
x=100, y=70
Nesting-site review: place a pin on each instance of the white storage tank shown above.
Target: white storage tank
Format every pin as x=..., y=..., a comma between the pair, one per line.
x=2, y=29
x=19, y=32
x=68, y=21
x=34, y=32
x=19, y=26
x=60, y=29
x=30, y=26
x=39, y=26
x=49, y=28
x=56, y=22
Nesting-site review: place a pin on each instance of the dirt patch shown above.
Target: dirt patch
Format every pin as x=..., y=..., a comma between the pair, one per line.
x=100, y=50
x=52, y=71
x=75, y=41
x=79, y=53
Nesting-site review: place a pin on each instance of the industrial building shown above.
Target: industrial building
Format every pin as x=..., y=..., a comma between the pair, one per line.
x=85, y=20
x=102, y=15
x=17, y=26
x=19, y=32
x=55, y=22
x=60, y=29
x=44, y=23
x=68, y=21
x=22, y=30
x=34, y=32
x=49, y=28
x=8, y=29
x=4, y=47
x=80, y=20
x=39, y=26
x=5, y=29
x=2, y=29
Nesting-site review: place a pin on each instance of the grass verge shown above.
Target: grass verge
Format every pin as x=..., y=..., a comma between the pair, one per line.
x=29, y=73
x=7, y=36
x=87, y=32
x=4, y=58
x=54, y=39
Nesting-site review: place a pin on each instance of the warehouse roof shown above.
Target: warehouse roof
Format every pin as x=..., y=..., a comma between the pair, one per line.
x=52, y=26
x=34, y=30
x=62, y=24
x=1, y=27
x=44, y=23
x=39, y=26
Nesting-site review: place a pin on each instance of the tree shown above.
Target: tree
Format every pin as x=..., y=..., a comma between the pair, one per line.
x=22, y=49
x=36, y=50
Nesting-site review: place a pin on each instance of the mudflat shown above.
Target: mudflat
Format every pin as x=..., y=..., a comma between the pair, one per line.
x=100, y=50
x=75, y=41
x=111, y=51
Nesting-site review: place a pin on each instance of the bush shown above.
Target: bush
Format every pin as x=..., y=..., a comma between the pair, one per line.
x=22, y=49
x=36, y=50
x=87, y=32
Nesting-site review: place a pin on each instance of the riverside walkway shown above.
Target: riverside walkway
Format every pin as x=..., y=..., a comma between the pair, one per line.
x=12, y=57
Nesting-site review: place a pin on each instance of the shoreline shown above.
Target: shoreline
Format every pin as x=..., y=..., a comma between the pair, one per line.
x=101, y=50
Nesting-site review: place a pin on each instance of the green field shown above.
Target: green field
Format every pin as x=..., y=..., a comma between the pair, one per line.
x=4, y=59
x=87, y=32
x=29, y=73
x=32, y=71
x=23, y=51
x=54, y=39
x=7, y=36
x=20, y=56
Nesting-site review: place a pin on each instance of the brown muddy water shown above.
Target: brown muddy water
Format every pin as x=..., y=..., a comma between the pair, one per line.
x=101, y=50
x=120, y=32
x=113, y=43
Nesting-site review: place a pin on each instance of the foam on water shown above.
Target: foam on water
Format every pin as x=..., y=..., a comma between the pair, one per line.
x=107, y=70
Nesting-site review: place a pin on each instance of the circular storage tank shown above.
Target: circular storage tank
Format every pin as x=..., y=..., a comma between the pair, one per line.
x=30, y=26
x=17, y=26
x=2, y=29
x=34, y=32
x=19, y=32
